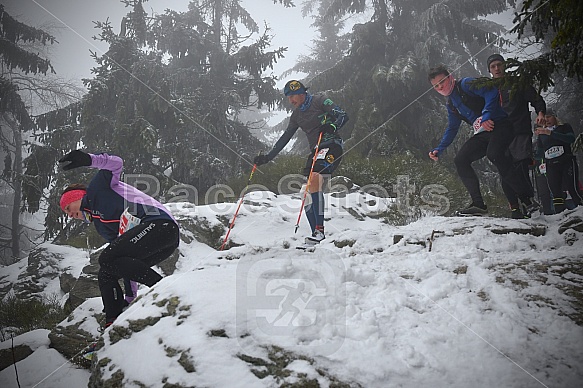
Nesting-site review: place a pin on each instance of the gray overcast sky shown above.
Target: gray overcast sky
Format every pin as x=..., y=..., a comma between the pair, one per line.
x=71, y=21
x=72, y=24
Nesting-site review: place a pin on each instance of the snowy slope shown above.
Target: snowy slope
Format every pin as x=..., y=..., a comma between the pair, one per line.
x=374, y=306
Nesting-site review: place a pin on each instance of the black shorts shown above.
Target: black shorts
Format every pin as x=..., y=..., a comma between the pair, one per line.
x=328, y=159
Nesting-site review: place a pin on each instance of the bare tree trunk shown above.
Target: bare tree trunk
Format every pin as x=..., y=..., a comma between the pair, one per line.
x=17, y=184
x=13, y=179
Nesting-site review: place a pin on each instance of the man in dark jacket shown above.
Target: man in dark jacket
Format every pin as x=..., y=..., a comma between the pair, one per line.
x=492, y=134
x=314, y=114
x=515, y=103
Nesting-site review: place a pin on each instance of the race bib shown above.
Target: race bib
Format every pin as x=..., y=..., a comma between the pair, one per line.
x=543, y=168
x=322, y=153
x=478, y=126
x=127, y=221
x=554, y=152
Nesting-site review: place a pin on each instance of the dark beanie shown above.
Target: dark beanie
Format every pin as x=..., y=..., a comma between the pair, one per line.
x=294, y=87
x=494, y=57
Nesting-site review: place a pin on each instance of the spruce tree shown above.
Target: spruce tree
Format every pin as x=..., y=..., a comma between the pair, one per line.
x=330, y=44
x=560, y=22
x=166, y=97
x=18, y=65
x=382, y=82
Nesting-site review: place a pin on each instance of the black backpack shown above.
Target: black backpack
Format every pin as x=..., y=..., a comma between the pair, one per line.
x=475, y=103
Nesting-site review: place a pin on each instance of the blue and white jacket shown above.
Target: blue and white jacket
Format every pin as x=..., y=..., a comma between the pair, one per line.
x=492, y=110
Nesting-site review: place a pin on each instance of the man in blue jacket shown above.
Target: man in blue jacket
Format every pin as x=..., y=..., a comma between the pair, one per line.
x=141, y=232
x=492, y=134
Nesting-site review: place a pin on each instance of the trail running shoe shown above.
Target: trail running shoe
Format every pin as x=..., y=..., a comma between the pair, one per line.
x=518, y=215
x=532, y=208
x=473, y=210
x=316, y=237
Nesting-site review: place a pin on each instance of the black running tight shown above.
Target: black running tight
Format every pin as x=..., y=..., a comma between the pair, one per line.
x=130, y=256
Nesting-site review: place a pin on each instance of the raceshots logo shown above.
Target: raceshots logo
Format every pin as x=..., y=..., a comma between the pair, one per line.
x=299, y=298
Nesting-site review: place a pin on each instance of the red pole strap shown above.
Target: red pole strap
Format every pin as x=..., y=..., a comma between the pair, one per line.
x=238, y=207
x=308, y=182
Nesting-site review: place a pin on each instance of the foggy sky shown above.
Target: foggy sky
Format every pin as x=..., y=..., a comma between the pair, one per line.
x=71, y=22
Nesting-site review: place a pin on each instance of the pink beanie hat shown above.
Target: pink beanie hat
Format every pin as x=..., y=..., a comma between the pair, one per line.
x=71, y=196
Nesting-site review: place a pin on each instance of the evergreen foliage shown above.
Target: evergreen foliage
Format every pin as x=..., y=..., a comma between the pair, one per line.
x=19, y=65
x=561, y=21
x=329, y=47
x=19, y=316
x=13, y=35
x=57, y=132
x=165, y=97
x=382, y=82
x=168, y=93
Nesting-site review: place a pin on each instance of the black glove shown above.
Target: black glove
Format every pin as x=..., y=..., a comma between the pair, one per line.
x=328, y=128
x=261, y=159
x=75, y=159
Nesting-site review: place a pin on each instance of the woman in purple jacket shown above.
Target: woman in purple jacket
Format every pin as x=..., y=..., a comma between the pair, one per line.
x=141, y=232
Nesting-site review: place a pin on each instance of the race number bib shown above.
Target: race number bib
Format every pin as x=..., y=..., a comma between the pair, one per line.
x=322, y=153
x=127, y=221
x=478, y=126
x=554, y=152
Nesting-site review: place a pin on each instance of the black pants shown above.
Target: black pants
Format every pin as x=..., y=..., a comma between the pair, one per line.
x=544, y=193
x=520, y=150
x=493, y=145
x=130, y=256
x=563, y=176
x=521, y=170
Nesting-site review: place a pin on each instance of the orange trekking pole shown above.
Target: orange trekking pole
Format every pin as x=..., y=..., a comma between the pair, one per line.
x=238, y=207
x=308, y=183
